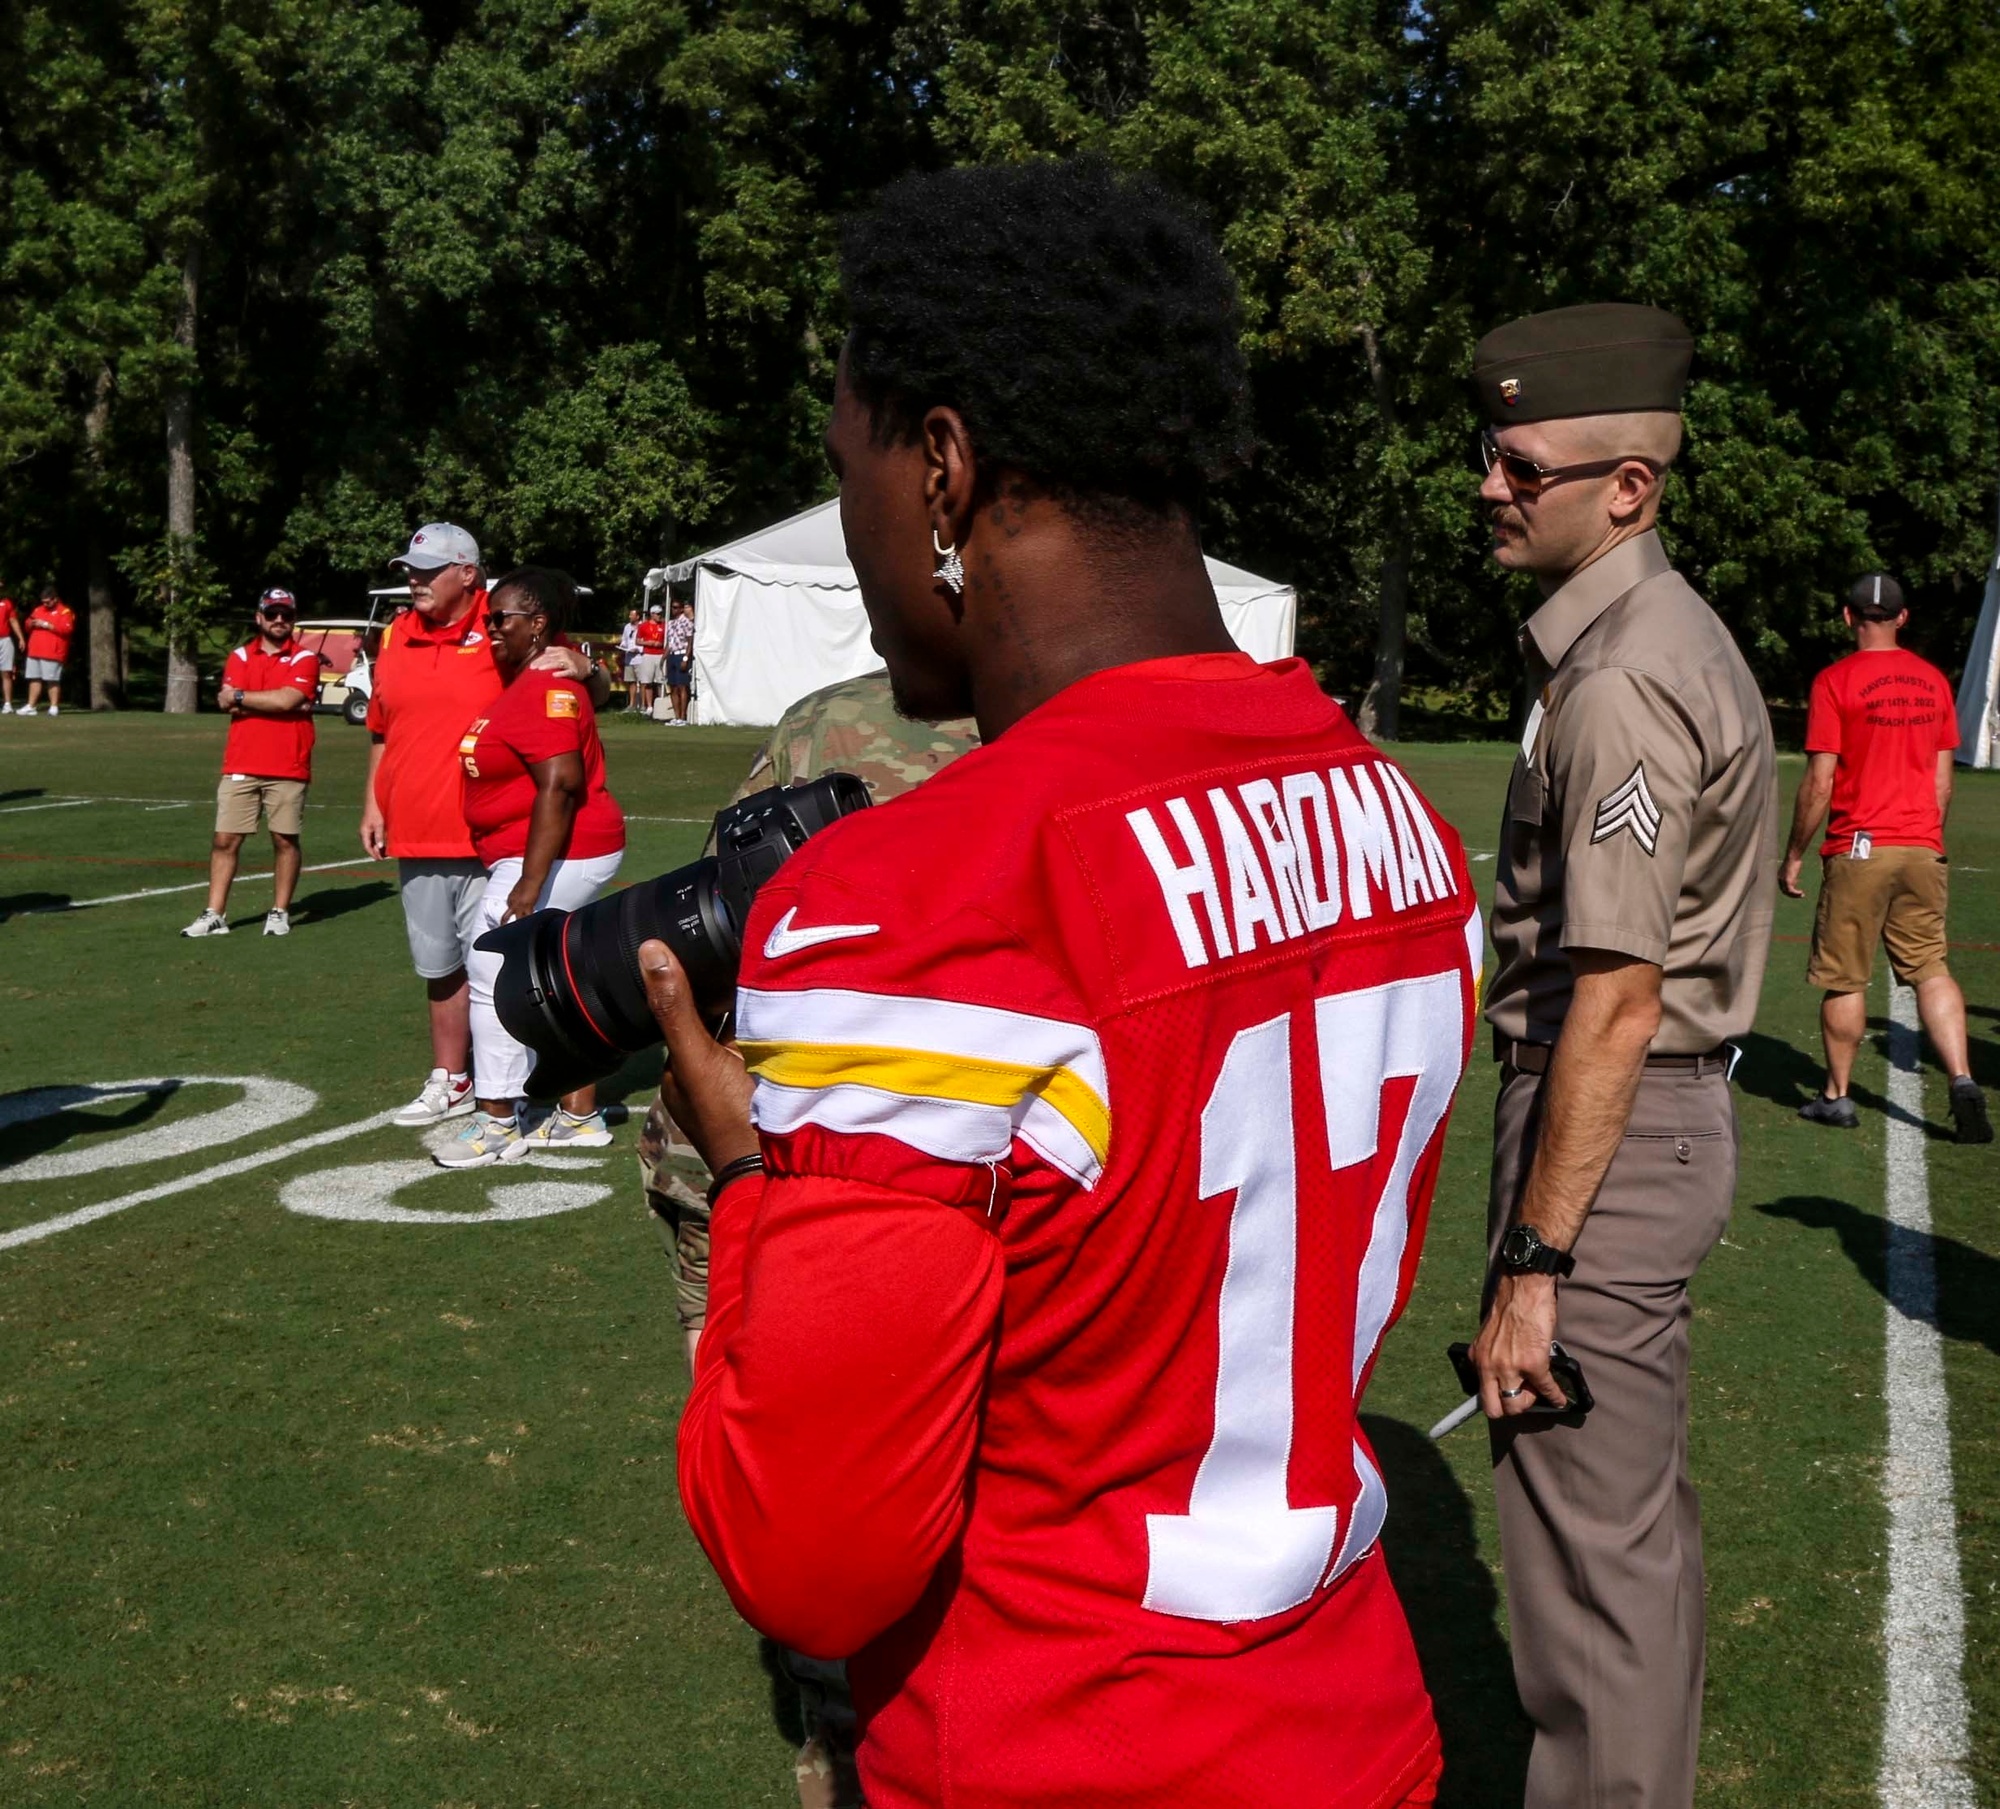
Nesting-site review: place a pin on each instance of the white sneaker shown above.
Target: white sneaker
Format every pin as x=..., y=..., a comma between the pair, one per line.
x=6, y=709
x=55, y=709
x=482, y=1143
x=28, y=710
x=441, y=1098
x=277, y=923
x=209, y=923
x=560, y=1131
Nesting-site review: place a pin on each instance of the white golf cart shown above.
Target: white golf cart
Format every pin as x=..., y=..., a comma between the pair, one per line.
x=347, y=646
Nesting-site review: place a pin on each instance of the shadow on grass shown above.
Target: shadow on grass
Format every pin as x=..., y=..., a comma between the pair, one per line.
x=1968, y=1280
x=1453, y=1604
x=336, y=901
x=39, y=1119
x=14, y=797
x=1788, y=1077
x=25, y=904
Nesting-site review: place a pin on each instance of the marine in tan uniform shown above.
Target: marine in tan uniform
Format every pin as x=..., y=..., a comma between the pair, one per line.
x=1631, y=920
x=848, y=727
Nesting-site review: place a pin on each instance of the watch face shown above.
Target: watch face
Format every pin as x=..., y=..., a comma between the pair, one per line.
x=1520, y=1245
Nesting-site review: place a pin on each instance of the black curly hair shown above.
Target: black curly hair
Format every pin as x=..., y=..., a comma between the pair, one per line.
x=551, y=592
x=1082, y=322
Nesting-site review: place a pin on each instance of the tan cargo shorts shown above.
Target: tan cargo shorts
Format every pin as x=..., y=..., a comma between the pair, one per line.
x=240, y=798
x=1895, y=897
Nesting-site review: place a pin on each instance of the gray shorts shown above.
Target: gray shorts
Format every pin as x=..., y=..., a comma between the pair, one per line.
x=646, y=669
x=441, y=913
x=48, y=671
x=6, y=653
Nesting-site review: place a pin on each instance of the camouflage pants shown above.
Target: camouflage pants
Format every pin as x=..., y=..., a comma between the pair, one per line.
x=826, y=1775
x=680, y=1215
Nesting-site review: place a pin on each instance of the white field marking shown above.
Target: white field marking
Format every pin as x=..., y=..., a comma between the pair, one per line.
x=1925, y=1745
x=367, y=1193
x=222, y=1171
x=265, y=1105
x=14, y=810
x=632, y=819
x=199, y=885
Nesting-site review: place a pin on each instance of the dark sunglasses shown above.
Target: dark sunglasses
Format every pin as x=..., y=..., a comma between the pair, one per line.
x=1526, y=478
x=494, y=617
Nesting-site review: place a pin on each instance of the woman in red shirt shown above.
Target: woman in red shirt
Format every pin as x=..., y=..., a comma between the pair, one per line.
x=551, y=836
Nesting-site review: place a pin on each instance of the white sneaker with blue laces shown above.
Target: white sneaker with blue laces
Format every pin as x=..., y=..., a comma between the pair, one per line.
x=482, y=1143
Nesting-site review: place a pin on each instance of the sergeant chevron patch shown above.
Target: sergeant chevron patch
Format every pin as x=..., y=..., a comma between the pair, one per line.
x=1630, y=807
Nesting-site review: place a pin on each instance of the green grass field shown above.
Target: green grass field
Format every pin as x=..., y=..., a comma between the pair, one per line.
x=298, y=1510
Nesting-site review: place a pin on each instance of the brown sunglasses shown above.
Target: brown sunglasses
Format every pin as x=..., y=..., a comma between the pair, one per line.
x=1526, y=478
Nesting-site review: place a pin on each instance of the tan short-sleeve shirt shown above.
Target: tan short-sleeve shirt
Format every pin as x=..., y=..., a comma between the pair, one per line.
x=1642, y=813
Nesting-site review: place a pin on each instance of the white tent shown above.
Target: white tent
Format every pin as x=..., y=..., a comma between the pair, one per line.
x=777, y=614
x=1979, y=689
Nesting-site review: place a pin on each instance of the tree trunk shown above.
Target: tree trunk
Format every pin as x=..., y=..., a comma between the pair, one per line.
x=1380, y=715
x=106, y=693
x=182, y=678
x=1382, y=708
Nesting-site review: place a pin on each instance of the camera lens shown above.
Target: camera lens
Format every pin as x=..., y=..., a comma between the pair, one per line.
x=569, y=985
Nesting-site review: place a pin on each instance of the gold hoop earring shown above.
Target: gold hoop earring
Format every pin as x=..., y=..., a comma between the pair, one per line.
x=950, y=567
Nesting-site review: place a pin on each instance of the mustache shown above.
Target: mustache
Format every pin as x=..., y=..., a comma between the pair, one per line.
x=1505, y=515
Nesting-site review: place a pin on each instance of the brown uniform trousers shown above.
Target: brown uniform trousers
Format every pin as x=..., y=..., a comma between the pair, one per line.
x=1598, y=1518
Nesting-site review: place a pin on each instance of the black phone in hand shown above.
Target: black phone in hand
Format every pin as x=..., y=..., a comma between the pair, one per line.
x=1568, y=1374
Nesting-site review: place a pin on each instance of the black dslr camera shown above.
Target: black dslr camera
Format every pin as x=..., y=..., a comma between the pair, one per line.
x=569, y=985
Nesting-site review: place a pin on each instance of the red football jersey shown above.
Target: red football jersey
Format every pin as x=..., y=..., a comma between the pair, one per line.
x=1102, y=1082
x=1888, y=714
x=537, y=717
x=271, y=747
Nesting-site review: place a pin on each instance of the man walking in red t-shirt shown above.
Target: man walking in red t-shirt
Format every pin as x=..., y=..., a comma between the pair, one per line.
x=1880, y=731
x=268, y=686
x=11, y=642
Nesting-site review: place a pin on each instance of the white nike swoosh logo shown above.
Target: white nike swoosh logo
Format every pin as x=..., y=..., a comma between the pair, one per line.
x=784, y=940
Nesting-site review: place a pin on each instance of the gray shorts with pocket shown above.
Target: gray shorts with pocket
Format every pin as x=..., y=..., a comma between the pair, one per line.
x=441, y=912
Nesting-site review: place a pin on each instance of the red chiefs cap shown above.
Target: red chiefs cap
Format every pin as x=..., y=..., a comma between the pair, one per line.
x=277, y=598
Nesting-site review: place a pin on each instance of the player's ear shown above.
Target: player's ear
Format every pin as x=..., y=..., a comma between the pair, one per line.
x=950, y=474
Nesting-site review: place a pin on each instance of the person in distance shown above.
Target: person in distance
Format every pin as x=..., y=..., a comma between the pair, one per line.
x=551, y=836
x=1077, y=1148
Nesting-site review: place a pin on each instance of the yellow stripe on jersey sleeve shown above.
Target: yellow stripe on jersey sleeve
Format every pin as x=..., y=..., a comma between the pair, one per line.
x=923, y=1074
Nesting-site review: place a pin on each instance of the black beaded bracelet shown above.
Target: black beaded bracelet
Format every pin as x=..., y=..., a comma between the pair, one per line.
x=729, y=1172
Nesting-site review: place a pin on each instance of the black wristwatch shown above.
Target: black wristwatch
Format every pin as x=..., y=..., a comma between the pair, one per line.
x=1522, y=1252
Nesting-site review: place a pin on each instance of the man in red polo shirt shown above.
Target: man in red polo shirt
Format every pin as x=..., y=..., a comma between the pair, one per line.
x=1880, y=731
x=433, y=677
x=268, y=686
x=49, y=632
x=10, y=644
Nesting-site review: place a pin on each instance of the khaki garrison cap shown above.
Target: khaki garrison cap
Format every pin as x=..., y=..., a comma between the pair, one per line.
x=1606, y=358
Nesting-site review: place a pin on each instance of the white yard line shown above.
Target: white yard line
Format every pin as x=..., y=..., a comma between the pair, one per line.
x=199, y=885
x=1925, y=1746
x=14, y=810
x=222, y=1171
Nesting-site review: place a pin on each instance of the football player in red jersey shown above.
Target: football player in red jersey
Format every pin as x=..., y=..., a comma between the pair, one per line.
x=1076, y=1152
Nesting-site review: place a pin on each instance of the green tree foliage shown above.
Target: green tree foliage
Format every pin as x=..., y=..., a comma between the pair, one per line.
x=564, y=271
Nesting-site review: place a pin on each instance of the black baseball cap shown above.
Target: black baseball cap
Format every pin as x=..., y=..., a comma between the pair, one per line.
x=1876, y=597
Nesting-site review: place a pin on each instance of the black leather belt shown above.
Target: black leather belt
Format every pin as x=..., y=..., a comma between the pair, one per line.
x=1533, y=1058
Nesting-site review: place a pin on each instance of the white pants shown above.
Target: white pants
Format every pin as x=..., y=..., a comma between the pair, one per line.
x=501, y=1066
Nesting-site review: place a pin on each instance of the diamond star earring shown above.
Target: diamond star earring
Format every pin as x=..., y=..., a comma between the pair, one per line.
x=950, y=567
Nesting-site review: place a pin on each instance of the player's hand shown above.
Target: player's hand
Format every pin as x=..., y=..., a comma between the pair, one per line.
x=706, y=1087
x=1511, y=1352
x=1788, y=876
x=521, y=901
x=569, y=661
x=374, y=831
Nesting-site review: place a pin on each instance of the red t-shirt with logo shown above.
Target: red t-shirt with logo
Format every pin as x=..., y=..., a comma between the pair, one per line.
x=271, y=747
x=1888, y=715
x=49, y=631
x=539, y=716
x=429, y=683
x=652, y=636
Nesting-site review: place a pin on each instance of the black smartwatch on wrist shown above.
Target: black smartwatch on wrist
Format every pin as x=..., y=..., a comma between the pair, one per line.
x=1522, y=1252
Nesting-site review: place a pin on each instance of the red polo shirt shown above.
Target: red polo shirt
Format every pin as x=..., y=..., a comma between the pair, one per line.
x=271, y=747
x=49, y=630
x=6, y=617
x=430, y=683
